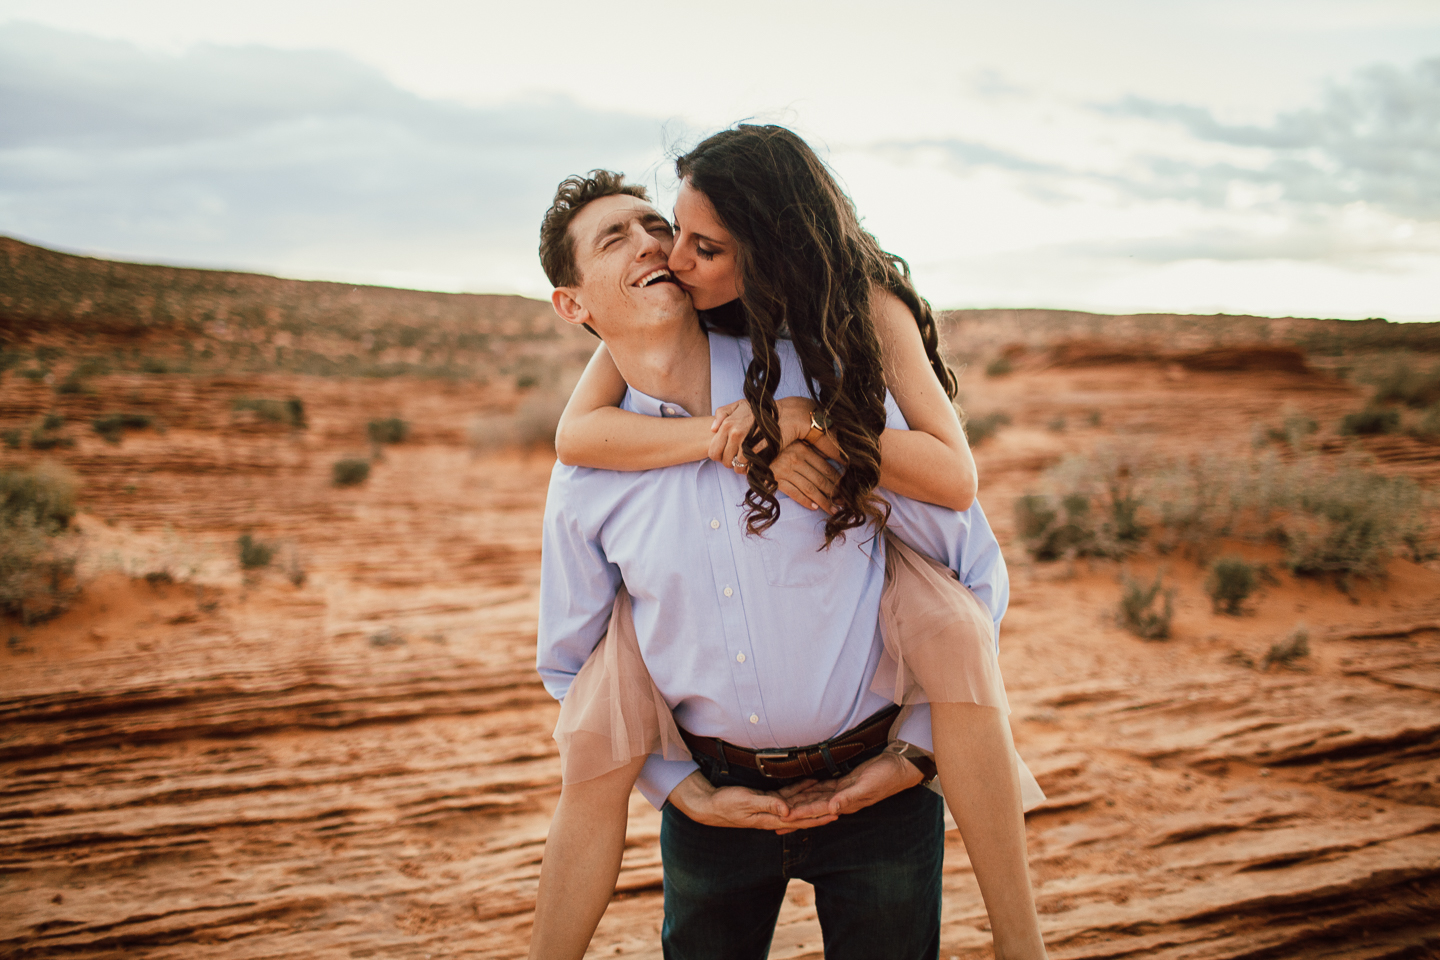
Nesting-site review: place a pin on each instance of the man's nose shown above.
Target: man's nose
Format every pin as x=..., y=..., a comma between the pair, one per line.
x=649, y=245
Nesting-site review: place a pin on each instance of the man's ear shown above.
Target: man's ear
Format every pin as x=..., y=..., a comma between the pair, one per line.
x=568, y=306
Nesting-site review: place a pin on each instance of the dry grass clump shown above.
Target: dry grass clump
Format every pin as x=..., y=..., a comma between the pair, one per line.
x=290, y=411
x=1342, y=518
x=350, y=471
x=1371, y=421
x=37, y=554
x=1230, y=583
x=390, y=430
x=1146, y=610
x=112, y=426
x=1285, y=652
x=982, y=428
x=254, y=553
x=1402, y=383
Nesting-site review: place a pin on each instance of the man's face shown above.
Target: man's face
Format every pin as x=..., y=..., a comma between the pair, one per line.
x=621, y=248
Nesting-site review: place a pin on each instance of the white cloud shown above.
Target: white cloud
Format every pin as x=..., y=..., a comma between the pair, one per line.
x=304, y=163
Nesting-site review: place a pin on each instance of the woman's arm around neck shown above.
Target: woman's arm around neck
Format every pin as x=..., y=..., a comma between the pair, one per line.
x=595, y=432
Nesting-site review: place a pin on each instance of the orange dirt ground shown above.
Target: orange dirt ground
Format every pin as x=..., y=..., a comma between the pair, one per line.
x=232, y=766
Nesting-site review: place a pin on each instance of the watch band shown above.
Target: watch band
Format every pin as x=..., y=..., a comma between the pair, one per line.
x=922, y=761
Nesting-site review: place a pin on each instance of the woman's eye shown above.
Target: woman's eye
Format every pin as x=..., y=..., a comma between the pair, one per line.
x=706, y=254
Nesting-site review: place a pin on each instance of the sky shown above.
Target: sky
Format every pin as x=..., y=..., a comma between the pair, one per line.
x=1275, y=157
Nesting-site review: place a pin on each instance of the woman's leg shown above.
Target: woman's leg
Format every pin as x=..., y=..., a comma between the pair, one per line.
x=975, y=756
x=582, y=863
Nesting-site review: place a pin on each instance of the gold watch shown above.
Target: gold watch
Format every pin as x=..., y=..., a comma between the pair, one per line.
x=819, y=424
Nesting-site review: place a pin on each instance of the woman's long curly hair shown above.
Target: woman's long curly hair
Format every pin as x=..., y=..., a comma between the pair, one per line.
x=806, y=269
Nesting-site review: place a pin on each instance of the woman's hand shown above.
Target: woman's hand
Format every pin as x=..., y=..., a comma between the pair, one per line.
x=733, y=422
x=804, y=475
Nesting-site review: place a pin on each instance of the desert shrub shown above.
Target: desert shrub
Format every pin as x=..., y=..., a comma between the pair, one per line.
x=37, y=556
x=526, y=381
x=1139, y=612
x=1094, y=510
x=1057, y=425
x=392, y=430
x=1350, y=521
x=46, y=435
x=73, y=385
x=154, y=365
x=1094, y=418
x=13, y=437
x=1230, y=583
x=254, y=553
x=35, y=373
x=1285, y=652
x=1370, y=421
x=999, y=367
x=1428, y=426
x=1293, y=430
x=112, y=426
x=1343, y=519
x=980, y=429
x=288, y=411
x=1403, y=383
x=350, y=471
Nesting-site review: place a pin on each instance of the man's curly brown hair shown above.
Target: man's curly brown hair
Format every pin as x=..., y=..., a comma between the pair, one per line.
x=557, y=247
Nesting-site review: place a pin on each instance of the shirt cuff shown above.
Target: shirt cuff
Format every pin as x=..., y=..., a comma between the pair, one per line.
x=916, y=728
x=660, y=776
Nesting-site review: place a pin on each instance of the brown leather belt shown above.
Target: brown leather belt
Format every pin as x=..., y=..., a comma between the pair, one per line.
x=782, y=764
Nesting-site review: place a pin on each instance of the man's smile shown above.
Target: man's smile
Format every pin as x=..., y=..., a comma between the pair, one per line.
x=661, y=275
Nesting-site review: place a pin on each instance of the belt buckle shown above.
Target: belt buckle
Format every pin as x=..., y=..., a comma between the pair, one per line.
x=773, y=756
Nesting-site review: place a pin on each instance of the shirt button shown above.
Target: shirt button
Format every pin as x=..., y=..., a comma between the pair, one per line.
x=739, y=658
x=754, y=719
x=729, y=592
x=714, y=524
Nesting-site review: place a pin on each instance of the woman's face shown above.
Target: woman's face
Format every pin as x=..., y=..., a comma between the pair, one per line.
x=704, y=257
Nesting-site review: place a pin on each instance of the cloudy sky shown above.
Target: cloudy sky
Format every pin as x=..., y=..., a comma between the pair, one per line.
x=1247, y=156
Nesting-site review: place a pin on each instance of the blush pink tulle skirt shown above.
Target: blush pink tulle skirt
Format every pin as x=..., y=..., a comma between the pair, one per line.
x=939, y=648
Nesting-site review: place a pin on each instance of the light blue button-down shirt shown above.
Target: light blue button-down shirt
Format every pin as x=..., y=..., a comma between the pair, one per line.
x=766, y=641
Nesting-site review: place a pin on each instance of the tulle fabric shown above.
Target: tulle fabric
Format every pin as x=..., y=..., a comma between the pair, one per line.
x=939, y=648
x=614, y=712
x=939, y=645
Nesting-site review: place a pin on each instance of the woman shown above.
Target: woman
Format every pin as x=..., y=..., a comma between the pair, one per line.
x=770, y=247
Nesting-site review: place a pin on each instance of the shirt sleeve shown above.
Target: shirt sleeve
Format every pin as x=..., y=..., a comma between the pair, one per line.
x=660, y=776
x=577, y=589
x=916, y=728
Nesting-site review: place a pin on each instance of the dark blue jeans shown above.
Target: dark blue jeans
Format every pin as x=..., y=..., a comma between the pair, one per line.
x=876, y=875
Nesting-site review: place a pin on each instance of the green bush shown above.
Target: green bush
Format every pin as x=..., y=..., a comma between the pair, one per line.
x=290, y=411
x=350, y=471
x=37, y=556
x=999, y=367
x=112, y=426
x=1285, y=652
x=254, y=553
x=1370, y=421
x=1428, y=426
x=1138, y=610
x=46, y=435
x=1095, y=510
x=392, y=430
x=1296, y=426
x=1057, y=425
x=980, y=429
x=13, y=437
x=1350, y=521
x=1340, y=519
x=1231, y=581
x=1404, y=384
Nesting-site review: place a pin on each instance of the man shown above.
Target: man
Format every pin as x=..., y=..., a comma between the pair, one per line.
x=760, y=644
